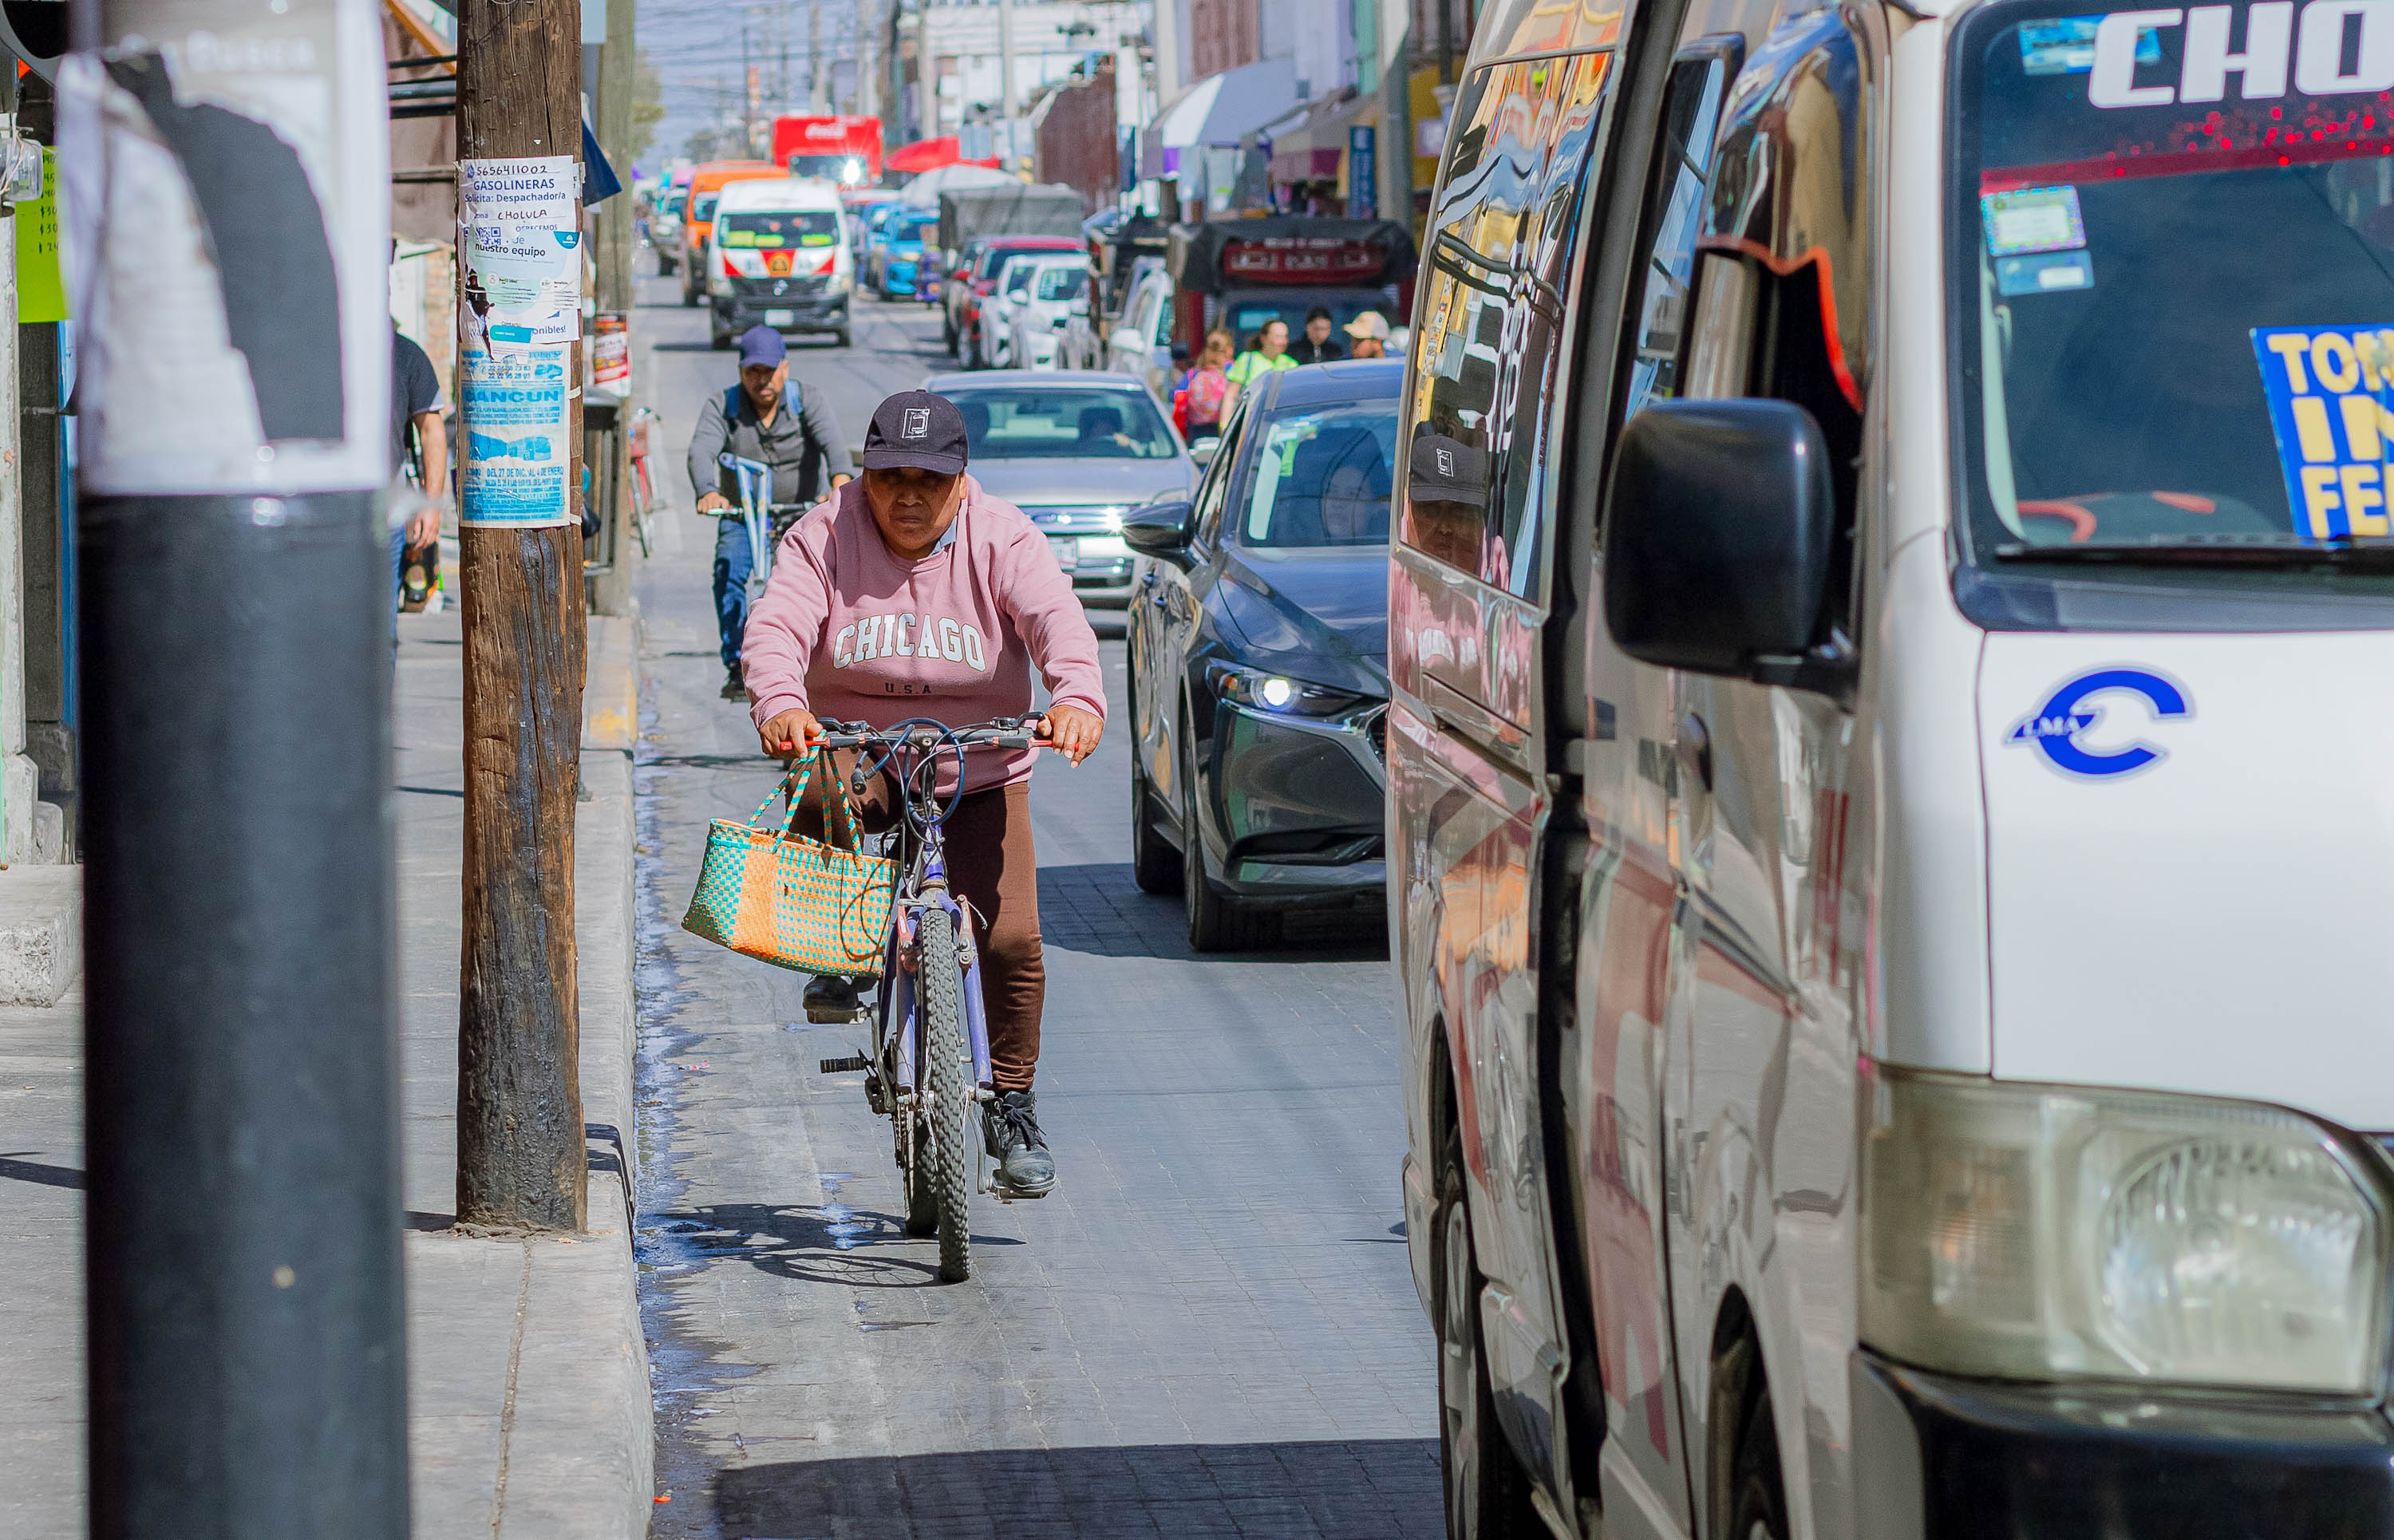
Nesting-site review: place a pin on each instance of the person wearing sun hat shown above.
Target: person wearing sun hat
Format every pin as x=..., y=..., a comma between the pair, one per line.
x=911, y=593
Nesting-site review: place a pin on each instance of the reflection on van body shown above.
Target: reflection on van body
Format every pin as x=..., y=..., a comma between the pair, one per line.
x=1890, y=1050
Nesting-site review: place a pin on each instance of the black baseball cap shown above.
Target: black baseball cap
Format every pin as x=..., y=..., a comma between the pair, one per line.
x=917, y=430
x=1447, y=470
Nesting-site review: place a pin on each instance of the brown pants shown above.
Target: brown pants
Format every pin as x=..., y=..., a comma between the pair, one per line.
x=993, y=868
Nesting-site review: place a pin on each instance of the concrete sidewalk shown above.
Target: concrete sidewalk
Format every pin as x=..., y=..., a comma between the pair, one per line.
x=528, y=1380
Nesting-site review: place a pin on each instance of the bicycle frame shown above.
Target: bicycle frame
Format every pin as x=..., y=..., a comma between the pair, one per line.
x=755, y=482
x=925, y=886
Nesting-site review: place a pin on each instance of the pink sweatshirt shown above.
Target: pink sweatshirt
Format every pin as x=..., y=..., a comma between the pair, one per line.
x=850, y=631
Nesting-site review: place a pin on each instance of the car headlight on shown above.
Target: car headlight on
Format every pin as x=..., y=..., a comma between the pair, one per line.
x=2044, y=1231
x=1253, y=686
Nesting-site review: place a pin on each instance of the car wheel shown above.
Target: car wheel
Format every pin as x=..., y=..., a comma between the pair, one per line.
x=1487, y=1493
x=664, y=264
x=1154, y=864
x=948, y=336
x=841, y=338
x=690, y=296
x=1217, y=921
x=972, y=350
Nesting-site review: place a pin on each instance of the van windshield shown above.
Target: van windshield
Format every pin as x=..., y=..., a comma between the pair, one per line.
x=2173, y=292
x=775, y=230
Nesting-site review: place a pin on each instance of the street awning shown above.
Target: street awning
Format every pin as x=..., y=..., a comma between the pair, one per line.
x=924, y=155
x=1312, y=148
x=1217, y=111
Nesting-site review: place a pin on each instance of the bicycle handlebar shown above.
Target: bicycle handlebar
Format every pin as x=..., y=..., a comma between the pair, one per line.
x=926, y=736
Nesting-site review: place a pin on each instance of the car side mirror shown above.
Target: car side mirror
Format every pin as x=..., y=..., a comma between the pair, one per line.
x=1720, y=525
x=1078, y=307
x=1202, y=450
x=1159, y=529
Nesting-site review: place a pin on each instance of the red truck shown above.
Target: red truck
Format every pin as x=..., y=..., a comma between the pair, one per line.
x=837, y=147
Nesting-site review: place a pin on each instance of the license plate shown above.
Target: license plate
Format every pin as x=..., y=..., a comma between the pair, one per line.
x=1066, y=552
x=780, y=318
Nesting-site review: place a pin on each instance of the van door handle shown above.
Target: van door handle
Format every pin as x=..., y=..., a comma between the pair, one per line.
x=1695, y=750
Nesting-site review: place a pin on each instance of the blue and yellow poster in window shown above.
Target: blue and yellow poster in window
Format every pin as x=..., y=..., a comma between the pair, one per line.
x=2331, y=393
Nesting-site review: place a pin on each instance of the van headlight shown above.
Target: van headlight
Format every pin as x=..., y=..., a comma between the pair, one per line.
x=2044, y=1231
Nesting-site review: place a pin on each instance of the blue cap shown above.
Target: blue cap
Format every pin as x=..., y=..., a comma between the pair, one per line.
x=762, y=344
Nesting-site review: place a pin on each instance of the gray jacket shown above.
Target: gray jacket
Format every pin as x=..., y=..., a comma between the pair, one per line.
x=804, y=445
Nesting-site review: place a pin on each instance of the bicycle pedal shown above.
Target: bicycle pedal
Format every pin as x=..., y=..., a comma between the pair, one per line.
x=849, y=1065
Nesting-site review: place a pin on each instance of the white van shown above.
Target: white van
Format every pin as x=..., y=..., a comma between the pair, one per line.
x=778, y=255
x=1891, y=804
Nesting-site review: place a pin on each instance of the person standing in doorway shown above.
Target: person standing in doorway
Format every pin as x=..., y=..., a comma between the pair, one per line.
x=765, y=417
x=415, y=408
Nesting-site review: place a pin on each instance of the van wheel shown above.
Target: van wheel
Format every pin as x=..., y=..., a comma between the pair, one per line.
x=664, y=264
x=1487, y=1493
x=1758, y=1502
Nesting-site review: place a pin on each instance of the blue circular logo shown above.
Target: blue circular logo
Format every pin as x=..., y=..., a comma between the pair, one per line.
x=2055, y=727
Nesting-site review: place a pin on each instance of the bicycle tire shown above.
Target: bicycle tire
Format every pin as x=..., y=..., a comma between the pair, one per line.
x=922, y=1190
x=939, y=974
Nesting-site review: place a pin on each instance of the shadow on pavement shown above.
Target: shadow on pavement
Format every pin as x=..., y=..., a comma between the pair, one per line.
x=1377, y=1489
x=831, y=1244
x=1098, y=910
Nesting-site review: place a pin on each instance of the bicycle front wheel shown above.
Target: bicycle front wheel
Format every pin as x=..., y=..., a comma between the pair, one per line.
x=938, y=976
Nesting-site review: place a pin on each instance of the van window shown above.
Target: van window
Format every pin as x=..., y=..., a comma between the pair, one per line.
x=1674, y=215
x=1499, y=256
x=2175, y=371
x=778, y=230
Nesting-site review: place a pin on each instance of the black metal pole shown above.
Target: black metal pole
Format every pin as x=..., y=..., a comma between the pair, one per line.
x=248, y=1369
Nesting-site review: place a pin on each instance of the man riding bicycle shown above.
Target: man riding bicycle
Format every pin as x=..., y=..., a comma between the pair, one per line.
x=765, y=417
x=913, y=593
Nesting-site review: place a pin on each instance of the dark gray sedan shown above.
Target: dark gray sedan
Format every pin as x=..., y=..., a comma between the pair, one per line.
x=1076, y=452
x=1258, y=661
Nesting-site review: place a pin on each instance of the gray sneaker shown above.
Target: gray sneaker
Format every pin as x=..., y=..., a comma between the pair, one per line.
x=833, y=999
x=1009, y=1128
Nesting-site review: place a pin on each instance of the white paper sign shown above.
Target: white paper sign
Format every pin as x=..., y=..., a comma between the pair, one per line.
x=517, y=455
x=520, y=243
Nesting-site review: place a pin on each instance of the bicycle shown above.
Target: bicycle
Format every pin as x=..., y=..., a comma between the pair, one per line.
x=930, y=981
x=645, y=425
x=765, y=519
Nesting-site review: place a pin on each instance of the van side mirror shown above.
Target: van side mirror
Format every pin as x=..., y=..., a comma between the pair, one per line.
x=1159, y=529
x=1720, y=523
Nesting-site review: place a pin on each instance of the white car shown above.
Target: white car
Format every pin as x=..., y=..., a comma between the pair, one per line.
x=1139, y=344
x=991, y=345
x=1058, y=292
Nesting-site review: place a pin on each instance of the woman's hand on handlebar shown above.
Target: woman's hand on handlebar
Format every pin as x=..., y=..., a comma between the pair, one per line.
x=1071, y=731
x=787, y=735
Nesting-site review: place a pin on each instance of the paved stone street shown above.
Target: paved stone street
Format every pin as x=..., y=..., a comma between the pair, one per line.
x=1209, y=1329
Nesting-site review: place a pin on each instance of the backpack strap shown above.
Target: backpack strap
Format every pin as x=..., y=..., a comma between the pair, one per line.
x=731, y=409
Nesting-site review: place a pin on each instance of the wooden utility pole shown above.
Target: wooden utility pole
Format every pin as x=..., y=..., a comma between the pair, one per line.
x=521, y=1161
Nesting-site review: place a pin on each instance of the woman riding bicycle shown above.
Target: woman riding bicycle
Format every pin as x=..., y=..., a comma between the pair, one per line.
x=912, y=593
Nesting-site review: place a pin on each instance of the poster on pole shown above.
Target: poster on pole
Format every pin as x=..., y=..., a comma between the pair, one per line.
x=517, y=455
x=224, y=202
x=41, y=294
x=520, y=244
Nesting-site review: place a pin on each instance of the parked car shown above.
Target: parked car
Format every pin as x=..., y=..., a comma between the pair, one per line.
x=1076, y=452
x=1258, y=661
x=1056, y=295
x=975, y=271
x=1078, y=346
x=992, y=343
x=1139, y=344
x=779, y=258
x=1888, y=916
x=665, y=227
x=899, y=259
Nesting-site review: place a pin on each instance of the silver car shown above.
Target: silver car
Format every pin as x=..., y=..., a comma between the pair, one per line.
x=1075, y=450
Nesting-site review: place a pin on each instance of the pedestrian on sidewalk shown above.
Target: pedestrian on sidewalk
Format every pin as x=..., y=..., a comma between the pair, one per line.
x=415, y=407
x=916, y=593
x=1270, y=355
x=1316, y=346
x=1370, y=331
x=765, y=417
x=1209, y=387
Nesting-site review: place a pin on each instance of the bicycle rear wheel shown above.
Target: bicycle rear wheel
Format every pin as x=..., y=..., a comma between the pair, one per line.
x=938, y=976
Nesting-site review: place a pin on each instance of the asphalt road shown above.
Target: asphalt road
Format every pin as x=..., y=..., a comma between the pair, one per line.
x=1208, y=1329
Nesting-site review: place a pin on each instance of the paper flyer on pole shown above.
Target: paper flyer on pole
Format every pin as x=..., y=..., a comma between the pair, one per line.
x=517, y=453
x=520, y=241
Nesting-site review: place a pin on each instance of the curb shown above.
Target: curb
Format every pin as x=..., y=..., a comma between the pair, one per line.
x=41, y=933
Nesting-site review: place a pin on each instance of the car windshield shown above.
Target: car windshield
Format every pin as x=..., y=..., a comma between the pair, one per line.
x=703, y=209
x=2173, y=288
x=778, y=229
x=1061, y=282
x=1089, y=423
x=1321, y=477
x=1246, y=314
x=916, y=229
x=670, y=204
x=836, y=168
